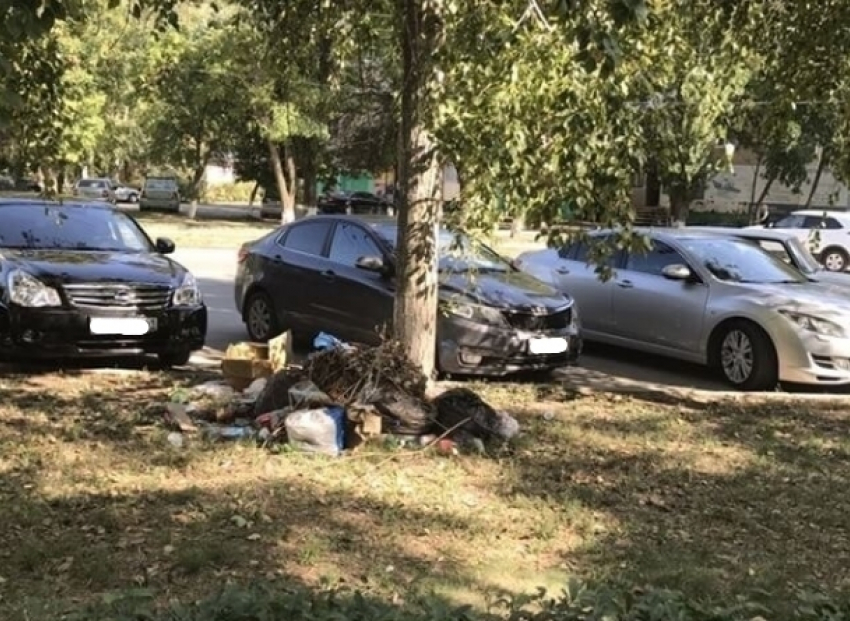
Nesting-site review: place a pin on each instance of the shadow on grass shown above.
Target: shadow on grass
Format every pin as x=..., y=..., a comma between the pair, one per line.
x=719, y=500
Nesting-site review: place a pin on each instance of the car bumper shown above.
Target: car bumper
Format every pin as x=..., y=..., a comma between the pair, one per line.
x=809, y=358
x=468, y=348
x=65, y=333
x=159, y=203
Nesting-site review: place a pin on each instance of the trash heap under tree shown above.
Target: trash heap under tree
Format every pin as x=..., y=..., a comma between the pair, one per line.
x=343, y=395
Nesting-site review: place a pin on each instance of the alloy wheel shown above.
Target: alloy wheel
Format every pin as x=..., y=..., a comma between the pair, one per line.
x=737, y=357
x=260, y=319
x=834, y=262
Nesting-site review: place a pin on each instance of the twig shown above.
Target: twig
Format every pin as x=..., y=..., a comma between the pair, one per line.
x=421, y=450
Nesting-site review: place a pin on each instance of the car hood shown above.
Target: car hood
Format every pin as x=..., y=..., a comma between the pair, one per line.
x=70, y=266
x=508, y=290
x=812, y=298
x=832, y=279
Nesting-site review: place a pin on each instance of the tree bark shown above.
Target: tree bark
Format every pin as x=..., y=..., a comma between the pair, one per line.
x=816, y=180
x=254, y=191
x=415, y=317
x=679, y=204
x=287, y=198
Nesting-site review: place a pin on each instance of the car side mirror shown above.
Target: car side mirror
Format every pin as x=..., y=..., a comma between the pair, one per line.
x=677, y=271
x=164, y=245
x=373, y=264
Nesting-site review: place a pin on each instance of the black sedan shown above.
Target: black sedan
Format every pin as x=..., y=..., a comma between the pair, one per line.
x=83, y=280
x=336, y=274
x=356, y=203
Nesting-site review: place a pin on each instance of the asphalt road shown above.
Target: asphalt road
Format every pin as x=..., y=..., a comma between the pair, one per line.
x=215, y=270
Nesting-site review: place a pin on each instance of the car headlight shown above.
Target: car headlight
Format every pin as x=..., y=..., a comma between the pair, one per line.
x=26, y=290
x=187, y=294
x=475, y=312
x=814, y=324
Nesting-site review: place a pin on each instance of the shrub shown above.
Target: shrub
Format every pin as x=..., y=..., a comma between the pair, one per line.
x=718, y=218
x=239, y=192
x=578, y=602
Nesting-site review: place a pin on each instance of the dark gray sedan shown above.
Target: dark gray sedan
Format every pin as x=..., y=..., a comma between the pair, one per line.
x=337, y=274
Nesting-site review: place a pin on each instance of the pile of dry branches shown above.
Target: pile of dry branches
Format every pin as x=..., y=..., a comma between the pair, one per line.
x=365, y=373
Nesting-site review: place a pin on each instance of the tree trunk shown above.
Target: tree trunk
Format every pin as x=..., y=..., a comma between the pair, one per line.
x=287, y=197
x=652, y=197
x=415, y=318
x=254, y=191
x=197, y=180
x=816, y=180
x=679, y=204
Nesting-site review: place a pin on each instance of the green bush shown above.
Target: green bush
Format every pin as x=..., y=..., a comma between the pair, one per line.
x=239, y=192
x=718, y=218
x=577, y=602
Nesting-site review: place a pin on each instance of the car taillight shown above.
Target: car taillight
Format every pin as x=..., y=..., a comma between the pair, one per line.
x=243, y=254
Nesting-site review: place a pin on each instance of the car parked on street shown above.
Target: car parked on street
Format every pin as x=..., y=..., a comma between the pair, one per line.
x=95, y=188
x=82, y=280
x=826, y=232
x=125, y=193
x=160, y=193
x=337, y=274
x=711, y=299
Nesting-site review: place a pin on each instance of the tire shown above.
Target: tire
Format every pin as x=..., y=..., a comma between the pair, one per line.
x=261, y=318
x=745, y=357
x=834, y=259
x=175, y=358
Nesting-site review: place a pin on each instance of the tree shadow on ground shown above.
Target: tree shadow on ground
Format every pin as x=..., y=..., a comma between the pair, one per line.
x=719, y=500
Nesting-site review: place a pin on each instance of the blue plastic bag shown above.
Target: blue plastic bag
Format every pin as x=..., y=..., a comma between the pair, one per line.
x=325, y=341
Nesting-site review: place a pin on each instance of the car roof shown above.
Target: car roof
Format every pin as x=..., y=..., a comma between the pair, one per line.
x=43, y=202
x=759, y=233
x=821, y=212
x=663, y=232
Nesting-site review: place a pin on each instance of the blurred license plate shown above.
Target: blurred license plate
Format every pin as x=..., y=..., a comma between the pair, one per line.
x=551, y=345
x=122, y=326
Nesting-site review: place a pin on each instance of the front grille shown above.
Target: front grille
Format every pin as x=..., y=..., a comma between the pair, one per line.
x=531, y=322
x=118, y=296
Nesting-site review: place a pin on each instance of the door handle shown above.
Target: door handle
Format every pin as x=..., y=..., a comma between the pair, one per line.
x=329, y=274
x=625, y=284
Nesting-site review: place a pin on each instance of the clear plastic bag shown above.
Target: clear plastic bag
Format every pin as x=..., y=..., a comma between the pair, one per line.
x=320, y=430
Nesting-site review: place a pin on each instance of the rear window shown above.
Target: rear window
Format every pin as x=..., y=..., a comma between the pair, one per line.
x=92, y=183
x=161, y=184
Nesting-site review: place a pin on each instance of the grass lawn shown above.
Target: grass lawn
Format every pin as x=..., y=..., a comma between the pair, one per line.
x=717, y=500
x=221, y=233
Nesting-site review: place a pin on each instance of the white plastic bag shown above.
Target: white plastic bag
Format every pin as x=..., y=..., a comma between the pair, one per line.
x=320, y=430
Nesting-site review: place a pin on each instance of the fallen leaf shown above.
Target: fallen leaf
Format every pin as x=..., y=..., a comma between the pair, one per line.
x=254, y=536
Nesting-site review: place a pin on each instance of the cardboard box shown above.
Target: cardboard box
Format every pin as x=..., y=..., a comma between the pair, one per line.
x=243, y=363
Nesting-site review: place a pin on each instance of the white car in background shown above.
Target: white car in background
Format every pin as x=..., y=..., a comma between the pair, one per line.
x=827, y=234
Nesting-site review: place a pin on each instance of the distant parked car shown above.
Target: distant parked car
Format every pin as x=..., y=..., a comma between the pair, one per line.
x=95, y=188
x=711, y=299
x=337, y=274
x=125, y=193
x=83, y=280
x=160, y=193
x=357, y=203
x=831, y=244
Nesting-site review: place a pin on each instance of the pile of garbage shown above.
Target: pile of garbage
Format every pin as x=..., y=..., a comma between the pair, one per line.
x=340, y=398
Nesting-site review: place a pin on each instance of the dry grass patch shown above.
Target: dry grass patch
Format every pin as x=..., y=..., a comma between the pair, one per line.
x=720, y=500
x=203, y=233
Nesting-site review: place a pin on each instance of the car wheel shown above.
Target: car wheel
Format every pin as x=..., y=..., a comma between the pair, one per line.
x=746, y=357
x=835, y=259
x=175, y=358
x=261, y=318
x=133, y=198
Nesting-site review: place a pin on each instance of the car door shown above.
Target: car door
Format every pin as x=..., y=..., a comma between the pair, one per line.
x=361, y=302
x=577, y=278
x=294, y=273
x=651, y=311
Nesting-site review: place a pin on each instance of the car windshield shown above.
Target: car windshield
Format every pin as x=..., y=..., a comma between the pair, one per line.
x=458, y=252
x=49, y=227
x=738, y=260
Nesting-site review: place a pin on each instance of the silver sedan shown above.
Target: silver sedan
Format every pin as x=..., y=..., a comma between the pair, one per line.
x=710, y=299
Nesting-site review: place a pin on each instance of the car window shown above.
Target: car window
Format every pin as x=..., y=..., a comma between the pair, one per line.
x=776, y=248
x=791, y=222
x=832, y=224
x=350, y=242
x=813, y=222
x=89, y=183
x=581, y=251
x=78, y=228
x=160, y=184
x=307, y=237
x=659, y=256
